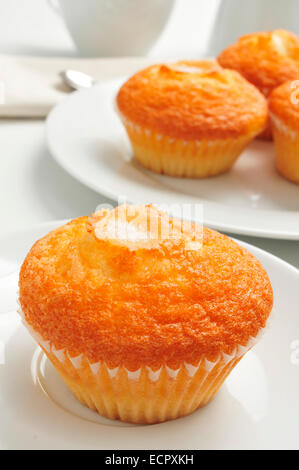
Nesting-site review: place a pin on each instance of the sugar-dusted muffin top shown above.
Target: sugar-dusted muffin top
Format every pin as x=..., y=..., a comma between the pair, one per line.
x=266, y=59
x=284, y=104
x=108, y=287
x=193, y=100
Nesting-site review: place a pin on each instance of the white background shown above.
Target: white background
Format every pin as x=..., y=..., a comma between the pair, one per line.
x=33, y=188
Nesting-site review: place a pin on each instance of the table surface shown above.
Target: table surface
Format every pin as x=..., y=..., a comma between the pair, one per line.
x=33, y=188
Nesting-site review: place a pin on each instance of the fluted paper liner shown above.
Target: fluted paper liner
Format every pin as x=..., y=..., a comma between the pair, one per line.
x=287, y=149
x=145, y=396
x=181, y=158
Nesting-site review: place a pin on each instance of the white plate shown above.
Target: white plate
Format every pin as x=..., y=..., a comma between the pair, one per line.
x=257, y=407
x=86, y=138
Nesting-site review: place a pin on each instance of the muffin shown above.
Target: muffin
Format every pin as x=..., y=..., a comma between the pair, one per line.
x=190, y=119
x=266, y=59
x=284, y=113
x=142, y=315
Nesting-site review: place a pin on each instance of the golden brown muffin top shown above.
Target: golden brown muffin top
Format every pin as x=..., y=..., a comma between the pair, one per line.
x=284, y=104
x=266, y=59
x=193, y=100
x=111, y=296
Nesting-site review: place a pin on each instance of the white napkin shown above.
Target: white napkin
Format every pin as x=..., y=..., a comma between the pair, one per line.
x=31, y=86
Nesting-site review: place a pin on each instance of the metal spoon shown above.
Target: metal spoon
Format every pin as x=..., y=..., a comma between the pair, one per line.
x=77, y=80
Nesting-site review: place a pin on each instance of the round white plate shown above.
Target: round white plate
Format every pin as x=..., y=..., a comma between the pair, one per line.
x=257, y=407
x=87, y=139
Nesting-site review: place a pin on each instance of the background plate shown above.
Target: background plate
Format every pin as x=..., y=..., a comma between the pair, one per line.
x=86, y=138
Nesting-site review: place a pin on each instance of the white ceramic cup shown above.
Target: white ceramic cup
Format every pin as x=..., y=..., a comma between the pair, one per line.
x=239, y=17
x=114, y=27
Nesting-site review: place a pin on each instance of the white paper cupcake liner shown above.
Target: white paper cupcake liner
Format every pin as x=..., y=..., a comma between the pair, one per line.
x=146, y=395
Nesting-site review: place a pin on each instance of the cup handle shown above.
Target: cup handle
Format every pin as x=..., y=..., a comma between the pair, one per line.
x=55, y=6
